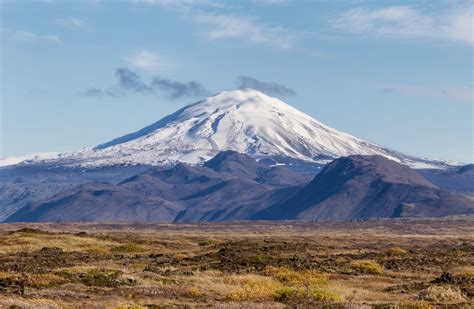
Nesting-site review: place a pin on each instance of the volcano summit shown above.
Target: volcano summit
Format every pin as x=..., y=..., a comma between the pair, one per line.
x=246, y=121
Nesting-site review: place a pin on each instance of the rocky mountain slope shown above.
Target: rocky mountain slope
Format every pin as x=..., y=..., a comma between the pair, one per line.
x=233, y=186
x=361, y=187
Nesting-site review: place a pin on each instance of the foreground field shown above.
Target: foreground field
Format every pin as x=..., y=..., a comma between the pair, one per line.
x=405, y=263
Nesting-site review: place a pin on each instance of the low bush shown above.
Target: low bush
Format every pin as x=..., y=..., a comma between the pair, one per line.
x=291, y=277
x=253, y=288
x=438, y=293
x=367, y=267
x=290, y=287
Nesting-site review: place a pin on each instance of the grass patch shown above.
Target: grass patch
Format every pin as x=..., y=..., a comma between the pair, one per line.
x=300, y=294
x=127, y=248
x=207, y=242
x=291, y=277
x=284, y=285
x=98, y=277
x=397, y=251
x=253, y=288
x=47, y=280
x=28, y=230
x=32, y=240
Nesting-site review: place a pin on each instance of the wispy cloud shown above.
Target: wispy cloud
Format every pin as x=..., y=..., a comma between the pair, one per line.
x=130, y=82
x=175, y=89
x=454, y=93
x=146, y=60
x=271, y=2
x=454, y=24
x=70, y=22
x=216, y=22
x=182, y=4
x=270, y=88
x=30, y=37
x=102, y=93
x=223, y=26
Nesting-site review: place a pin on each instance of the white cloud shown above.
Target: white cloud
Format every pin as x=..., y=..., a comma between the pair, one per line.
x=455, y=24
x=456, y=93
x=271, y=2
x=146, y=60
x=217, y=26
x=69, y=22
x=182, y=4
x=245, y=28
x=29, y=37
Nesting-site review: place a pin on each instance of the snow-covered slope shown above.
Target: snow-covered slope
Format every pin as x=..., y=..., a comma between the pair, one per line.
x=246, y=121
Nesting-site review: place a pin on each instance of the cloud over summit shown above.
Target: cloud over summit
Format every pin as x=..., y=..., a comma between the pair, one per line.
x=129, y=81
x=270, y=88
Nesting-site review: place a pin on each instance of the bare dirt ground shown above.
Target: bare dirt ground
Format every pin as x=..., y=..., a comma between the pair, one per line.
x=377, y=263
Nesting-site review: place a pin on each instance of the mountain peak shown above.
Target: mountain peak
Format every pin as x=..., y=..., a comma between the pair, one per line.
x=244, y=120
x=246, y=97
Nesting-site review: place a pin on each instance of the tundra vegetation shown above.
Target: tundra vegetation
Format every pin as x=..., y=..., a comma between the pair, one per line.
x=377, y=263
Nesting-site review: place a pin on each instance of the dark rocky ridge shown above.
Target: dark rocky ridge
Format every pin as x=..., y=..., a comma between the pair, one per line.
x=361, y=187
x=233, y=186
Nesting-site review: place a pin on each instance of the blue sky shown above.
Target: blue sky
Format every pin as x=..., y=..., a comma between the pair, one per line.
x=79, y=73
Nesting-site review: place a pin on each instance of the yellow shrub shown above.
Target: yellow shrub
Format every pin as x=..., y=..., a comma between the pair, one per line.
x=397, y=251
x=258, y=288
x=254, y=288
x=193, y=292
x=291, y=277
x=367, y=267
x=323, y=295
x=44, y=280
x=312, y=293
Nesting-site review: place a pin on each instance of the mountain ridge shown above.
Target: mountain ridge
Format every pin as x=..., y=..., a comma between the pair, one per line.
x=230, y=187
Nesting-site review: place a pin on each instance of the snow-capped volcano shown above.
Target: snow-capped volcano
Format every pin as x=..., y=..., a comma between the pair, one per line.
x=245, y=121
